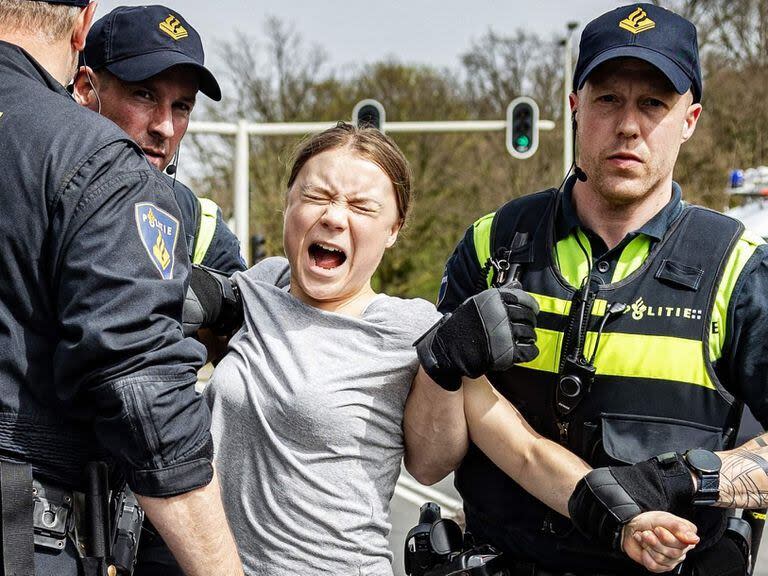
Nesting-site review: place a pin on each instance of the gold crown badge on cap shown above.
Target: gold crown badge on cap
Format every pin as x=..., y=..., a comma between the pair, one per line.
x=637, y=22
x=172, y=26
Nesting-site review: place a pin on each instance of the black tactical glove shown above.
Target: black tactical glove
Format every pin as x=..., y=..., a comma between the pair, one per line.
x=212, y=301
x=490, y=331
x=607, y=498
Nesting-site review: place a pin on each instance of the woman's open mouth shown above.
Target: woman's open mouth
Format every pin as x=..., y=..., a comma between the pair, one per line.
x=327, y=257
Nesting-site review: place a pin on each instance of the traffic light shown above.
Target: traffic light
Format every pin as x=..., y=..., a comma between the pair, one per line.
x=369, y=112
x=522, y=127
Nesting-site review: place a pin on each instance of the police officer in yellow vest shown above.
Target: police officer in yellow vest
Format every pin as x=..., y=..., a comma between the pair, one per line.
x=650, y=332
x=142, y=68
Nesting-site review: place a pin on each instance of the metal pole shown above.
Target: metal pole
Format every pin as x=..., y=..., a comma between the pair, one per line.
x=567, y=73
x=302, y=128
x=242, y=191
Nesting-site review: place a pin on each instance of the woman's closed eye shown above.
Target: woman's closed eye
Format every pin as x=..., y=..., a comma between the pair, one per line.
x=365, y=208
x=315, y=198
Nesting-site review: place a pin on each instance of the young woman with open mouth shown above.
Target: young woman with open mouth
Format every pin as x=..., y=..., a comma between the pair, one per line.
x=308, y=403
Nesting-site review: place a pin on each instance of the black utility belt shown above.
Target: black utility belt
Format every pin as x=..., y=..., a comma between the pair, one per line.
x=60, y=513
x=53, y=517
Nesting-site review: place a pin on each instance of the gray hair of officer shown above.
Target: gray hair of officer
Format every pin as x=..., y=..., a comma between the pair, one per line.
x=51, y=21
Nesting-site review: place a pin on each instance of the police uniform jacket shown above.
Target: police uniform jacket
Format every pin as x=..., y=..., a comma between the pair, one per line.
x=673, y=365
x=94, y=268
x=210, y=242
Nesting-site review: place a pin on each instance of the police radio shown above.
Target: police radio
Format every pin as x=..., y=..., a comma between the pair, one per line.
x=578, y=373
x=576, y=381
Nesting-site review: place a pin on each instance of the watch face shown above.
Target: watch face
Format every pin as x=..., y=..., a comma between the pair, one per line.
x=703, y=460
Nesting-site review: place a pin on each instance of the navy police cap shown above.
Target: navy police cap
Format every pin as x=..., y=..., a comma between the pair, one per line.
x=137, y=42
x=647, y=32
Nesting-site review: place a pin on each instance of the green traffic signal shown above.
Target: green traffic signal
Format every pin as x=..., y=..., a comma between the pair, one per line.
x=522, y=127
x=522, y=142
x=522, y=137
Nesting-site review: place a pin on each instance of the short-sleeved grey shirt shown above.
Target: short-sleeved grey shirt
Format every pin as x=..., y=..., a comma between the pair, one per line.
x=307, y=413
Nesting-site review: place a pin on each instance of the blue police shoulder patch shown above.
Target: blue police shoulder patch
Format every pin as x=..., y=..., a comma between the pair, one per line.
x=159, y=232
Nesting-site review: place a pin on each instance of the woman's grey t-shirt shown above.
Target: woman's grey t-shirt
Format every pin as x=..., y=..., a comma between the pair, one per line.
x=307, y=413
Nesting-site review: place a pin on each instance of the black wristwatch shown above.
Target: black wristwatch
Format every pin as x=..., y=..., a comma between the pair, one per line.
x=706, y=466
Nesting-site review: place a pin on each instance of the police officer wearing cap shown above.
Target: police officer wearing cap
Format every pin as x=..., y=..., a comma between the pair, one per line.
x=94, y=370
x=141, y=68
x=145, y=65
x=650, y=334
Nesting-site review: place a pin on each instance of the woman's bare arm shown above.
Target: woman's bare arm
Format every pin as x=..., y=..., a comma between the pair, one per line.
x=657, y=540
x=435, y=430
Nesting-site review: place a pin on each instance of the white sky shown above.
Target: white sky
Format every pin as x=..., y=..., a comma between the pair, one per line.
x=431, y=32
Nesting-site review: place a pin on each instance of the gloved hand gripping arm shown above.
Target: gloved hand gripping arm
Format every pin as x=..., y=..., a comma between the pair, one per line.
x=546, y=470
x=490, y=331
x=606, y=499
x=212, y=301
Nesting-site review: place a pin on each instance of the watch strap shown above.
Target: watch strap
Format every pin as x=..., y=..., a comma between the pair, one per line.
x=707, y=492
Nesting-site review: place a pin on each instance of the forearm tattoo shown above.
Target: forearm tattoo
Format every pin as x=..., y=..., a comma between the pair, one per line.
x=744, y=476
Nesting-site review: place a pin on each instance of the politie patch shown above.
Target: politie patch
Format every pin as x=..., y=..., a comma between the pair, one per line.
x=158, y=231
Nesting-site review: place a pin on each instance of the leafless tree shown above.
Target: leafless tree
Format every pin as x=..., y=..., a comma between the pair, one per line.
x=499, y=68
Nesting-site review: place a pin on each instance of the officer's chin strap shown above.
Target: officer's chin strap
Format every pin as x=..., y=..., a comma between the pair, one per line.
x=17, y=506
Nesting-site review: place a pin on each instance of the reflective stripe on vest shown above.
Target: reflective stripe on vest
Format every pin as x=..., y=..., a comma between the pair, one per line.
x=206, y=230
x=743, y=251
x=481, y=234
x=655, y=389
x=656, y=357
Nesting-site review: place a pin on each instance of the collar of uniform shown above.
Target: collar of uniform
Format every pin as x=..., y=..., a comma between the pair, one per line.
x=655, y=228
x=16, y=58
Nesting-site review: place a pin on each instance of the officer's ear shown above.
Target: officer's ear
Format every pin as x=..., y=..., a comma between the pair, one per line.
x=85, y=86
x=82, y=26
x=690, y=121
x=573, y=102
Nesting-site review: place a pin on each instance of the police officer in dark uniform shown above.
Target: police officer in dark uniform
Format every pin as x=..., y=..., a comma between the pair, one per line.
x=145, y=65
x=649, y=332
x=93, y=365
x=141, y=68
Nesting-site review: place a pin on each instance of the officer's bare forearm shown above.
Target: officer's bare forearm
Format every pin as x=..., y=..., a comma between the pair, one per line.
x=435, y=430
x=542, y=467
x=744, y=475
x=195, y=528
